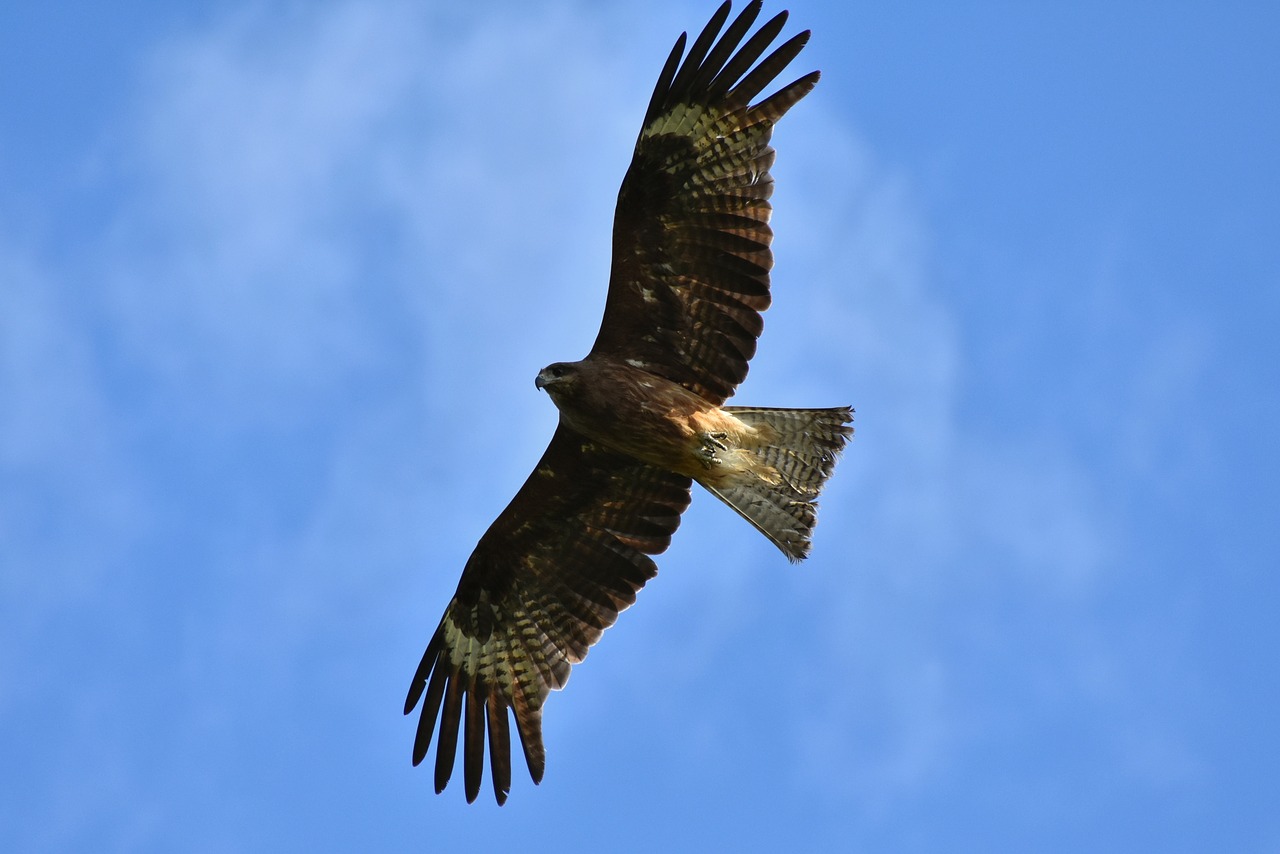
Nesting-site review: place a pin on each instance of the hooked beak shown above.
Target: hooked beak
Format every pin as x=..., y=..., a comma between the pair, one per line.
x=539, y=382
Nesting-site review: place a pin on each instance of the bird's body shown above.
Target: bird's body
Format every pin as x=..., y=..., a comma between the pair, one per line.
x=642, y=416
x=634, y=412
x=747, y=457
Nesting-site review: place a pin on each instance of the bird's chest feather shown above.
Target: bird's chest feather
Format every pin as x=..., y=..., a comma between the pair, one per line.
x=639, y=414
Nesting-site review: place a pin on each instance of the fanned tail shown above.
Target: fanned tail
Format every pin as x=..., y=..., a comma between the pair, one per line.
x=777, y=474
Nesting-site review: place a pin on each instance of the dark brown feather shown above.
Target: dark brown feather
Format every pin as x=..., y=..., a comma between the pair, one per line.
x=744, y=59
x=698, y=51
x=550, y=575
x=691, y=238
x=447, y=745
x=764, y=73
x=473, y=741
x=714, y=63
x=499, y=748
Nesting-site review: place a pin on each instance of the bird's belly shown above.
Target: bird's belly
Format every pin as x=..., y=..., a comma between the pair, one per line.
x=651, y=419
x=649, y=434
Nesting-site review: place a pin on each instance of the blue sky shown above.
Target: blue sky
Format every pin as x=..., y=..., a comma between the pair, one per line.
x=275, y=280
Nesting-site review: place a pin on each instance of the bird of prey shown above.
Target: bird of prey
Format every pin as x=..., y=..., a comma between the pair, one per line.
x=642, y=416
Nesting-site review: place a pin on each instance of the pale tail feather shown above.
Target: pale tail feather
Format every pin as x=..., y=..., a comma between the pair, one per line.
x=777, y=489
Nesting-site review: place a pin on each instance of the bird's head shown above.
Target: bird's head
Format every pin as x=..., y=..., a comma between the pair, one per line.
x=557, y=379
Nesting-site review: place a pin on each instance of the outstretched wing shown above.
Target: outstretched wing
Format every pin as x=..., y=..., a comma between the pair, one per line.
x=545, y=581
x=691, y=234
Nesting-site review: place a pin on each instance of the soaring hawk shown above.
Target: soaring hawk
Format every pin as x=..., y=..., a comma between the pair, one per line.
x=642, y=416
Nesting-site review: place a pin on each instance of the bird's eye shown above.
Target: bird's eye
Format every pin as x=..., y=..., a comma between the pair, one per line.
x=557, y=371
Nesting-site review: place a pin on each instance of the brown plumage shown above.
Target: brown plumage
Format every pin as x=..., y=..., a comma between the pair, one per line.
x=641, y=417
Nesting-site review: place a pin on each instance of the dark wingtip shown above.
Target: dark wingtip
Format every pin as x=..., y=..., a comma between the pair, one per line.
x=499, y=749
x=663, y=86
x=425, y=667
x=447, y=741
x=473, y=743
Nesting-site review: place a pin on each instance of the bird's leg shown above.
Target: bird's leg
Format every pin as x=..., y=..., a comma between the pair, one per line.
x=712, y=442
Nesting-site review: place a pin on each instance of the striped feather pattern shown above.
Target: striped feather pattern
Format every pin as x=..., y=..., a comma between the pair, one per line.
x=795, y=453
x=691, y=256
x=548, y=577
x=804, y=443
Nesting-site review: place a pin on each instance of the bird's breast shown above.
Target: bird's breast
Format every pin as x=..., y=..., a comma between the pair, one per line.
x=639, y=414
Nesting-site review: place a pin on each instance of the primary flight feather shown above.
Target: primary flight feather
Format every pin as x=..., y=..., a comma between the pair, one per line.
x=641, y=417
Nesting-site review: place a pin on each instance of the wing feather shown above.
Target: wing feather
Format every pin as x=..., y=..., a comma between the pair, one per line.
x=473, y=740
x=550, y=575
x=751, y=51
x=712, y=66
x=447, y=746
x=691, y=239
x=665, y=79
x=688, y=72
x=499, y=747
x=764, y=73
